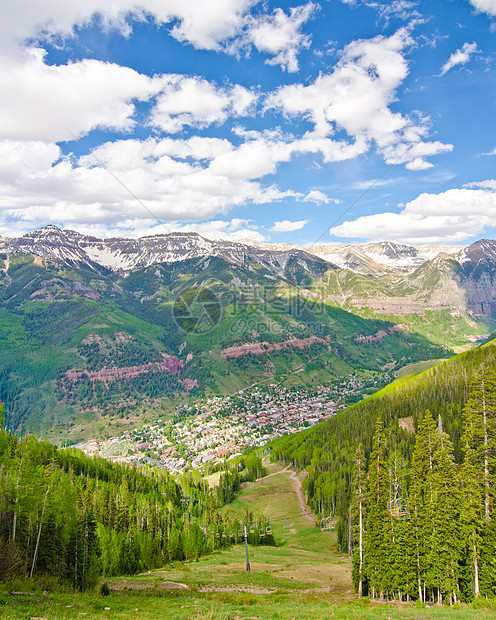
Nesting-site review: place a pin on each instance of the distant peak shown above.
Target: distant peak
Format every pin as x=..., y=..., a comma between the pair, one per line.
x=49, y=228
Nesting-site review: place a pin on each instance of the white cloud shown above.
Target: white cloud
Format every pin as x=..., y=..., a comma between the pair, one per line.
x=202, y=23
x=196, y=102
x=60, y=102
x=319, y=197
x=356, y=97
x=288, y=226
x=127, y=180
x=20, y=159
x=402, y=9
x=487, y=184
x=449, y=217
x=253, y=159
x=460, y=57
x=484, y=6
x=280, y=35
x=220, y=25
x=234, y=230
x=41, y=102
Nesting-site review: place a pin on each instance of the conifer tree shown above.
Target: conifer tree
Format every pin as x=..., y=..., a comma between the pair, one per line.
x=359, y=491
x=422, y=496
x=399, y=569
x=375, y=547
x=444, y=549
x=480, y=433
x=479, y=468
x=472, y=510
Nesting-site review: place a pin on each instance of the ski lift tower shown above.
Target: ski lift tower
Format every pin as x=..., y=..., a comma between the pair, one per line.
x=245, y=527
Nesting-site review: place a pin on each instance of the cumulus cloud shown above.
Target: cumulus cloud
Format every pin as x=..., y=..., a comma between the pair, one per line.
x=280, y=35
x=220, y=25
x=460, y=57
x=194, y=101
x=356, y=97
x=60, y=102
x=54, y=103
x=124, y=180
x=237, y=229
x=252, y=159
x=204, y=24
x=487, y=184
x=132, y=184
x=484, y=6
x=288, y=226
x=449, y=217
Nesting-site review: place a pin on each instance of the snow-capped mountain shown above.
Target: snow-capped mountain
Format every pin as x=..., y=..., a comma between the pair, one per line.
x=124, y=255
x=483, y=251
x=381, y=256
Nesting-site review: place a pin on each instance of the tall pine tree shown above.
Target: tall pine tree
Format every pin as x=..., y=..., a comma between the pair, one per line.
x=359, y=499
x=378, y=496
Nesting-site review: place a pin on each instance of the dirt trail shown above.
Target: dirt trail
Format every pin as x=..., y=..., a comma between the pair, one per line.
x=276, y=473
x=305, y=510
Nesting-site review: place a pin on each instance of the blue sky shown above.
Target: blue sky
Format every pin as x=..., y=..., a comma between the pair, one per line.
x=337, y=121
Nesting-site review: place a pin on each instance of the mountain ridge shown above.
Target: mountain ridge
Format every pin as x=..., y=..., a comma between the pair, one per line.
x=127, y=254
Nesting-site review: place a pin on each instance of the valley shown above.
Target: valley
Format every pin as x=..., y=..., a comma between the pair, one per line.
x=209, y=431
x=102, y=336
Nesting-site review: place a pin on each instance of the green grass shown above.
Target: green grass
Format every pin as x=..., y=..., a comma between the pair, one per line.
x=418, y=367
x=158, y=602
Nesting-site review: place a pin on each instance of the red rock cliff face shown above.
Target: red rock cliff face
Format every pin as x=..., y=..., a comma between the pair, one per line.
x=258, y=348
x=170, y=363
x=107, y=375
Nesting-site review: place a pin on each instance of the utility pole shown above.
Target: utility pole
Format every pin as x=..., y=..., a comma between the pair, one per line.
x=246, y=548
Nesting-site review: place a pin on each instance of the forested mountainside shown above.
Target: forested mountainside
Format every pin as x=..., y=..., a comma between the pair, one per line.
x=74, y=518
x=82, y=350
x=409, y=475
